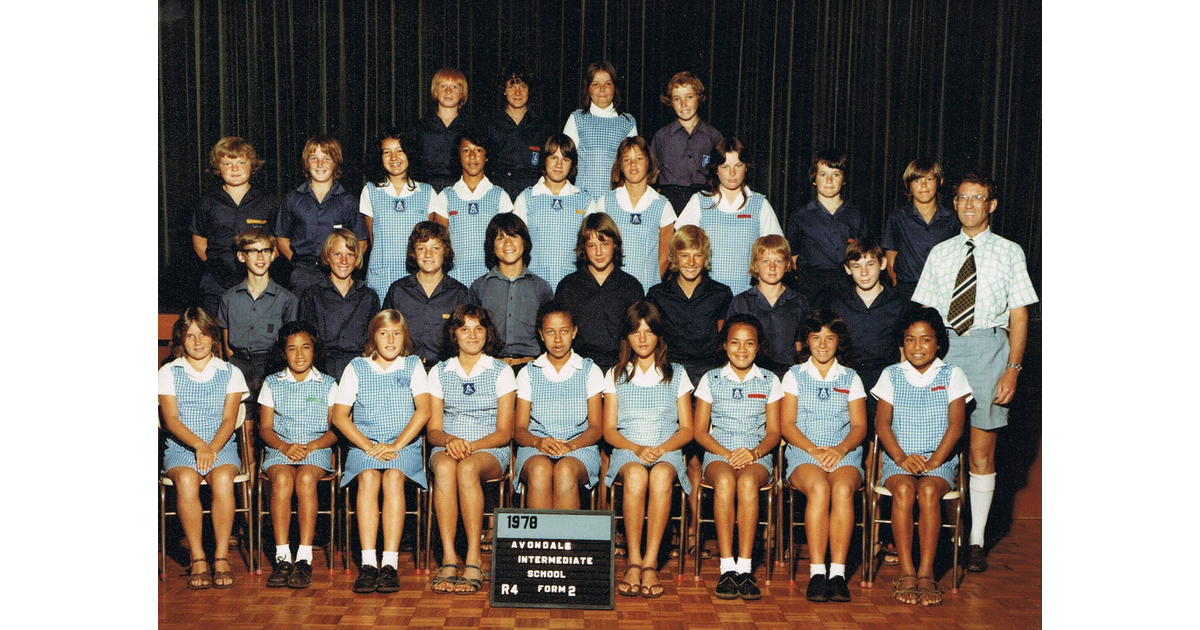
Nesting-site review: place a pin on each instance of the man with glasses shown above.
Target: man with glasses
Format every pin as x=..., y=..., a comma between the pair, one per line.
x=978, y=281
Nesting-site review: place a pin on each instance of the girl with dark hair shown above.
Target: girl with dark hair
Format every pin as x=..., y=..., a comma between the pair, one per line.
x=598, y=127
x=392, y=204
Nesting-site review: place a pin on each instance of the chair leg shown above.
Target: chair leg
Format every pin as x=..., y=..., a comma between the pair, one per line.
x=770, y=535
x=346, y=515
x=682, y=525
x=162, y=533
x=258, y=516
x=696, y=540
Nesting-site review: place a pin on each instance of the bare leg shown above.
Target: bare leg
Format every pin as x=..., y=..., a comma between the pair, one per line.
x=191, y=513
x=749, y=479
x=306, y=501
x=393, y=508
x=445, y=500
x=721, y=477
x=813, y=481
x=903, y=489
x=662, y=479
x=367, y=507
x=283, y=479
x=538, y=476
x=930, y=491
x=636, y=480
x=471, y=472
x=569, y=474
x=220, y=479
x=845, y=482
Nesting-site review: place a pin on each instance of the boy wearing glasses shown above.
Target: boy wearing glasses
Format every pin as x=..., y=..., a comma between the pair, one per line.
x=252, y=312
x=979, y=283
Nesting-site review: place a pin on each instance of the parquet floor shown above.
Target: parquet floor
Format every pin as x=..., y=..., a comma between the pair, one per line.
x=1008, y=595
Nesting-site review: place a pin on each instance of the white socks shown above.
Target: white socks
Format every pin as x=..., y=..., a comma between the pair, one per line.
x=368, y=558
x=816, y=569
x=741, y=565
x=836, y=569
x=390, y=559
x=728, y=564
x=304, y=552
x=982, y=489
x=283, y=552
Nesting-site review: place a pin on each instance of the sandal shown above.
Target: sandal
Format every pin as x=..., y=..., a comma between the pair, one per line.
x=890, y=557
x=222, y=575
x=198, y=580
x=474, y=584
x=934, y=594
x=627, y=588
x=900, y=591
x=452, y=580
x=648, y=590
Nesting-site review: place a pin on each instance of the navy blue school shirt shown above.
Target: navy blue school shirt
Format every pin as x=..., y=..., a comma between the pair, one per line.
x=513, y=159
x=874, y=330
x=692, y=322
x=781, y=324
x=440, y=166
x=683, y=157
x=912, y=238
x=513, y=305
x=426, y=314
x=819, y=239
x=218, y=219
x=308, y=222
x=598, y=310
x=341, y=321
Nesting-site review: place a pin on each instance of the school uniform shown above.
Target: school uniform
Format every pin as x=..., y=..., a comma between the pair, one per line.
x=200, y=398
x=874, y=331
x=921, y=412
x=382, y=401
x=739, y=409
x=253, y=323
x=553, y=222
x=683, y=159
x=301, y=414
x=732, y=228
x=439, y=156
x=1002, y=284
x=907, y=234
x=426, y=314
x=470, y=400
x=818, y=240
x=514, y=150
x=342, y=321
x=822, y=411
x=648, y=415
x=218, y=219
x=393, y=214
x=513, y=304
x=639, y=226
x=598, y=134
x=468, y=213
x=598, y=310
x=559, y=408
x=308, y=222
x=692, y=321
x=782, y=324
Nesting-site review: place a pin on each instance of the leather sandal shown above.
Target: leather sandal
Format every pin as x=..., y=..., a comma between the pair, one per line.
x=472, y=583
x=651, y=591
x=898, y=591
x=222, y=575
x=627, y=588
x=445, y=579
x=925, y=596
x=198, y=580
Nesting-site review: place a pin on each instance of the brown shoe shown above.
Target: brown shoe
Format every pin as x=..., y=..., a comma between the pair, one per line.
x=976, y=559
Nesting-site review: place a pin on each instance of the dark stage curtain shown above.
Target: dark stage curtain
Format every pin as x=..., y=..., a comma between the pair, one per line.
x=884, y=81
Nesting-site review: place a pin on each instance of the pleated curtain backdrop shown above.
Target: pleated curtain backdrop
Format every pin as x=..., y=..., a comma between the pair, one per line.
x=886, y=82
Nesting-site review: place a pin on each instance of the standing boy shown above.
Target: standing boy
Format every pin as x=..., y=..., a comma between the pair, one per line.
x=437, y=132
x=820, y=231
x=914, y=229
x=684, y=147
x=515, y=136
x=979, y=283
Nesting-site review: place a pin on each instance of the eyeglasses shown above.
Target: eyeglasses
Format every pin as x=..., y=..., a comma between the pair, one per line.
x=975, y=198
x=258, y=252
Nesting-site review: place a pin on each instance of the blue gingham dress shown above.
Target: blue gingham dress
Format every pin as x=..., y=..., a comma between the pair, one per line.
x=739, y=413
x=559, y=410
x=823, y=416
x=639, y=238
x=382, y=409
x=553, y=229
x=468, y=228
x=731, y=236
x=200, y=407
x=920, y=418
x=392, y=224
x=469, y=406
x=649, y=416
x=301, y=416
x=599, y=137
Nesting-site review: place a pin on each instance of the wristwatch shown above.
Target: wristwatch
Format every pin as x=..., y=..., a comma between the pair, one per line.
x=1015, y=366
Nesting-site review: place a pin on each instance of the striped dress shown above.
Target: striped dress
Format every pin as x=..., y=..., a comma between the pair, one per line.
x=639, y=237
x=731, y=235
x=468, y=228
x=599, y=137
x=823, y=416
x=200, y=408
x=382, y=410
x=920, y=418
x=649, y=416
x=301, y=416
x=553, y=223
x=393, y=222
x=469, y=410
x=739, y=412
x=559, y=410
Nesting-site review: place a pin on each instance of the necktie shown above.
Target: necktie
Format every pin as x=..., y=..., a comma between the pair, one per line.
x=962, y=303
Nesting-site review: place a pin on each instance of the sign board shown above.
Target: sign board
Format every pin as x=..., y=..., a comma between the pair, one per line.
x=553, y=559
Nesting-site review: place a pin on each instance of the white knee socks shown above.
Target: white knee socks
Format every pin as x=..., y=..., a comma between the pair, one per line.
x=982, y=489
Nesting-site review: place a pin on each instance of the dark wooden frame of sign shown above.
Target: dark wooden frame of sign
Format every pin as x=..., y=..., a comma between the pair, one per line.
x=500, y=549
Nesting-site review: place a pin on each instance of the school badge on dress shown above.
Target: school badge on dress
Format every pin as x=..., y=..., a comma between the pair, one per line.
x=468, y=389
x=635, y=218
x=737, y=393
x=556, y=204
x=403, y=381
x=473, y=208
x=399, y=205
x=823, y=393
x=533, y=158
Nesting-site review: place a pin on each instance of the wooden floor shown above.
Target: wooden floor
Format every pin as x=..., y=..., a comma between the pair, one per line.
x=1008, y=595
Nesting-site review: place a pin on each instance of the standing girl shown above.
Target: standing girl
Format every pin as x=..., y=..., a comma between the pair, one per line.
x=471, y=425
x=731, y=214
x=598, y=127
x=919, y=418
x=559, y=416
x=339, y=306
x=386, y=389
x=824, y=420
x=737, y=424
x=198, y=395
x=647, y=420
x=294, y=426
x=393, y=204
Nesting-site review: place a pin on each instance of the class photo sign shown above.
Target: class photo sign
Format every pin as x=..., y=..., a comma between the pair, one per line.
x=553, y=559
